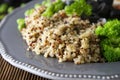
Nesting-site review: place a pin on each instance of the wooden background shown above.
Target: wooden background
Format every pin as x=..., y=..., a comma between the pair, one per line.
x=9, y=72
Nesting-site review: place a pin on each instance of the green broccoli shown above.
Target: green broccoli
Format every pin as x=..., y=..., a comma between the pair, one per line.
x=58, y=5
x=10, y=9
x=49, y=11
x=37, y=5
x=79, y=7
x=110, y=40
x=47, y=3
x=21, y=23
x=53, y=7
x=3, y=7
x=29, y=12
x=22, y=5
x=2, y=16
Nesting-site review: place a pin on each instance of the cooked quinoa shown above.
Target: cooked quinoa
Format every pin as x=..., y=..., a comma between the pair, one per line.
x=68, y=38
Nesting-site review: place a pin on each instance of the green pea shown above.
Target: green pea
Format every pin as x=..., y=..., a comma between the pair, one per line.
x=29, y=12
x=3, y=8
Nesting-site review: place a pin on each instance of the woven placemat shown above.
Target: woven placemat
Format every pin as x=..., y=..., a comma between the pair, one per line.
x=9, y=72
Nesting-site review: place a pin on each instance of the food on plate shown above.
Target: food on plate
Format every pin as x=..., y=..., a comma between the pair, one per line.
x=79, y=7
x=21, y=23
x=110, y=40
x=58, y=29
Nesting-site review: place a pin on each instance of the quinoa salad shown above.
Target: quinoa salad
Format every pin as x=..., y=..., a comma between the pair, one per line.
x=62, y=35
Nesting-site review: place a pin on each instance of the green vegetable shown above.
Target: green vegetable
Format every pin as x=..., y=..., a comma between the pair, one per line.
x=47, y=3
x=79, y=7
x=2, y=16
x=49, y=11
x=10, y=9
x=3, y=7
x=21, y=23
x=58, y=5
x=29, y=12
x=110, y=40
x=22, y=5
x=110, y=51
x=37, y=5
x=53, y=7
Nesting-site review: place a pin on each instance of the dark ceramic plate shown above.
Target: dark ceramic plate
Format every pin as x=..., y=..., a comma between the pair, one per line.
x=13, y=50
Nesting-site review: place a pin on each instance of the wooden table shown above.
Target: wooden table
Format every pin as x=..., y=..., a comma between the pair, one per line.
x=9, y=72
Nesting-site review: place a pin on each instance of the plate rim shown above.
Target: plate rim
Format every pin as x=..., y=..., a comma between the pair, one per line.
x=42, y=72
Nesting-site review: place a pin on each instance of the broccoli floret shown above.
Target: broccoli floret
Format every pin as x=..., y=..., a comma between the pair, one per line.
x=111, y=51
x=111, y=54
x=52, y=7
x=21, y=23
x=79, y=7
x=49, y=11
x=58, y=5
x=47, y=3
x=2, y=16
x=3, y=7
x=10, y=9
x=37, y=5
x=110, y=29
x=110, y=40
x=29, y=12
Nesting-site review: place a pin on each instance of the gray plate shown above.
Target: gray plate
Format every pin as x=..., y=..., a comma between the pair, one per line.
x=13, y=50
